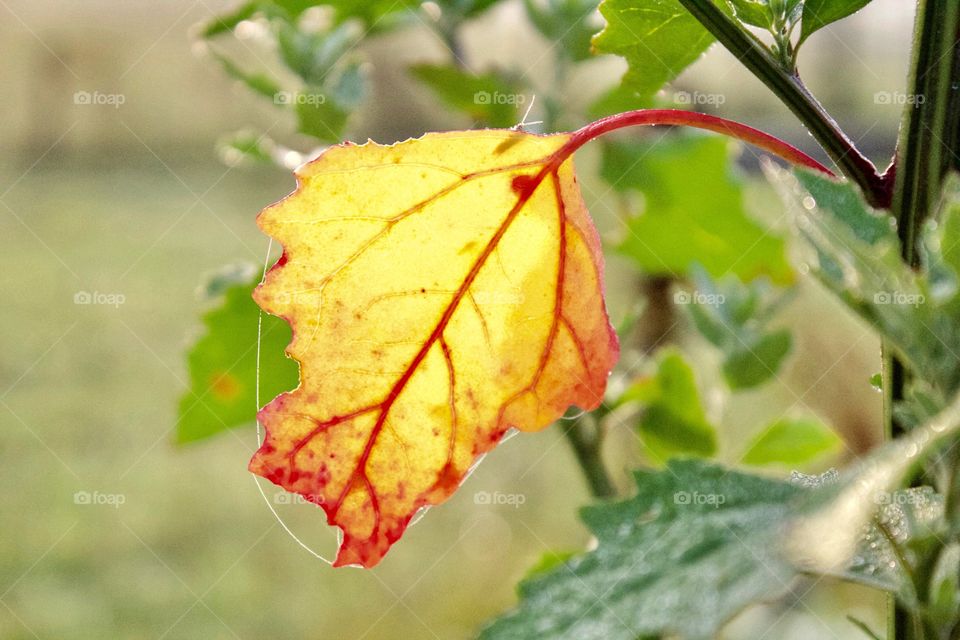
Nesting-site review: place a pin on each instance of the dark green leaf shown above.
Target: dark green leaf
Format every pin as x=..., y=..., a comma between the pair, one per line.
x=222, y=364
x=697, y=544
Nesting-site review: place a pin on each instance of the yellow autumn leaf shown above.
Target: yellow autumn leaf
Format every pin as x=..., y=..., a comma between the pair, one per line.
x=440, y=291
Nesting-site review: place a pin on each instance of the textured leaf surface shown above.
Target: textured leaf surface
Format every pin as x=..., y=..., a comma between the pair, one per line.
x=658, y=39
x=439, y=294
x=223, y=362
x=695, y=545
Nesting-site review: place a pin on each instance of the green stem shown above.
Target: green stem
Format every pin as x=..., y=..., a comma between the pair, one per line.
x=586, y=437
x=787, y=86
x=928, y=147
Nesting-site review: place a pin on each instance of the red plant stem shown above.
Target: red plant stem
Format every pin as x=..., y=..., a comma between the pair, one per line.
x=649, y=117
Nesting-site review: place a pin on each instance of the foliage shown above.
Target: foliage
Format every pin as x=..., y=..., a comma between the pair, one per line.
x=693, y=529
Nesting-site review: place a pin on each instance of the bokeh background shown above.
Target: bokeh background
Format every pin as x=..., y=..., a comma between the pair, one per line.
x=132, y=201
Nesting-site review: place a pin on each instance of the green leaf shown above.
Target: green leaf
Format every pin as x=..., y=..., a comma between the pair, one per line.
x=819, y=13
x=697, y=544
x=658, y=39
x=753, y=12
x=854, y=251
x=792, y=442
x=490, y=98
x=838, y=514
x=318, y=115
x=757, y=362
x=222, y=364
x=717, y=231
x=672, y=421
x=313, y=56
x=565, y=23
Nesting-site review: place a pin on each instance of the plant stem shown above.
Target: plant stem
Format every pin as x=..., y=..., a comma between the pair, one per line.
x=787, y=86
x=586, y=437
x=928, y=146
x=927, y=149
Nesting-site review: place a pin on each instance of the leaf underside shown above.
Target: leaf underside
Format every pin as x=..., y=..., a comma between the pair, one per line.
x=440, y=291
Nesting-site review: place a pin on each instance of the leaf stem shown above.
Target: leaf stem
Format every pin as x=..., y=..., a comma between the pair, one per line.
x=787, y=86
x=652, y=117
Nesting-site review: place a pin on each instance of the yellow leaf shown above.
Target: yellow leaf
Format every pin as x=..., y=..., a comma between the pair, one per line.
x=440, y=290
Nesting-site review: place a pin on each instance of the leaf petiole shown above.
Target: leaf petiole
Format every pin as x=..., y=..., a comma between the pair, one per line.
x=679, y=117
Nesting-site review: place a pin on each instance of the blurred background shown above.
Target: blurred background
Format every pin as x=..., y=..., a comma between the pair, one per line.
x=110, y=530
